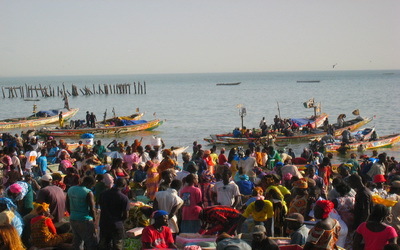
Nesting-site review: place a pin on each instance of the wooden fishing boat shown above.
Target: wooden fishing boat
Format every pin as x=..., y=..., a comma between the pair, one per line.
x=309, y=81
x=39, y=119
x=139, y=125
x=228, y=83
x=383, y=141
x=351, y=125
x=230, y=140
x=134, y=117
x=314, y=122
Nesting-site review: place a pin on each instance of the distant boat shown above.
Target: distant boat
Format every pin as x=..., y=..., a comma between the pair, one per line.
x=229, y=83
x=309, y=81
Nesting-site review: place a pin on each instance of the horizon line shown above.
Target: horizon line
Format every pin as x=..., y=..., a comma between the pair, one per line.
x=193, y=73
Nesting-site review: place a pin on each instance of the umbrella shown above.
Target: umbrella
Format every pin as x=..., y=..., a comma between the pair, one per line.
x=114, y=155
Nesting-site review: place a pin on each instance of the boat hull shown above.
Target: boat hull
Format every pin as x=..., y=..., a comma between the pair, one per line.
x=384, y=141
x=24, y=122
x=320, y=133
x=106, y=130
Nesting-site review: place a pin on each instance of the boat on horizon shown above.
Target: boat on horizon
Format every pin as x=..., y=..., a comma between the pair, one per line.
x=228, y=83
x=310, y=81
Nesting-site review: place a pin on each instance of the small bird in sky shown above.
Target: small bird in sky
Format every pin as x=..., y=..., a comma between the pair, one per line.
x=333, y=66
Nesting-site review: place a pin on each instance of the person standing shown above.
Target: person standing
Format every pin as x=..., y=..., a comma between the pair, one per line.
x=80, y=205
x=88, y=119
x=170, y=202
x=52, y=195
x=226, y=192
x=31, y=156
x=61, y=119
x=93, y=120
x=247, y=163
x=192, y=205
x=114, y=211
x=363, y=200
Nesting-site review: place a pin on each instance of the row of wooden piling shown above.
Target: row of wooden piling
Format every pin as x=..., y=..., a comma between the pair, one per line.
x=49, y=91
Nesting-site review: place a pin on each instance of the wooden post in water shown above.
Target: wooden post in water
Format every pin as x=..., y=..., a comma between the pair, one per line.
x=144, y=83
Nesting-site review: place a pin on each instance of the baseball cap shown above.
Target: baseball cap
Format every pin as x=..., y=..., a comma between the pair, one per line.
x=259, y=229
x=47, y=178
x=295, y=217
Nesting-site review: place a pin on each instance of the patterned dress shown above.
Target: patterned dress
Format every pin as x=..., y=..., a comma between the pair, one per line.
x=43, y=233
x=324, y=239
x=153, y=178
x=298, y=205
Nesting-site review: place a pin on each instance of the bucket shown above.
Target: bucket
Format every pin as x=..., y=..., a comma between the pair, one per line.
x=88, y=141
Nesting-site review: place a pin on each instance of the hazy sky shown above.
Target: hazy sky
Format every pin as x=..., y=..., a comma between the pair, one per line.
x=71, y=37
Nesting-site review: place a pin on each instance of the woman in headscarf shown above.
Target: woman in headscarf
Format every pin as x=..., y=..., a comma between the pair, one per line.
x=206, y=186
x=325, y=233
x=8, y=209
x=167, y=162
x=43, y=231
x=233, y=159
x=21, y=194
x=299, y=202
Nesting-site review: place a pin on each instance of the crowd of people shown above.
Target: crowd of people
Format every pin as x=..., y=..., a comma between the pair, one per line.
x=92, y=198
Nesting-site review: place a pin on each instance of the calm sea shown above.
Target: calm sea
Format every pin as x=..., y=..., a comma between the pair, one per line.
x=194, y=107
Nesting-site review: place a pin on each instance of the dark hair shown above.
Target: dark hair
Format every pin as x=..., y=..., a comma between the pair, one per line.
x=378, y=213
x=120, y=182
x=343, y=189
x=152, y=154
x=176, y=184
x=189, y=179
x=117, y=162
x=87, y=181
x=391, y=246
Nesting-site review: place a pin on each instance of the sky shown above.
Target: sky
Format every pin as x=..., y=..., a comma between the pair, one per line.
x=87, y=37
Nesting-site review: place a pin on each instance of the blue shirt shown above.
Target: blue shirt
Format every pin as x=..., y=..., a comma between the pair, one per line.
x=42, y=162
x=245, y=187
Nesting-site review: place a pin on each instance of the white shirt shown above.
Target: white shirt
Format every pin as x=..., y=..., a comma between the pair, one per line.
x=248, y=165
x=166, y=201
x=30, y=159
x=226, y=193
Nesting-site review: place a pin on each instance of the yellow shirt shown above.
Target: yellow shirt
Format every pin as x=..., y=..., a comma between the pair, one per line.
x=266, y=213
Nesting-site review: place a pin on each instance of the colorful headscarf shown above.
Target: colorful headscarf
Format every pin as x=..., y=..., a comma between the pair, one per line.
x=302, y=184
x=9, y=203
x=41, y=207
x=207, y=176
x=326, y=205
x=20, y=188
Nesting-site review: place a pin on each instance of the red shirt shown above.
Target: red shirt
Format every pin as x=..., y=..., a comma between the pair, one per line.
x=222, y=159
x=48, y=222
x=220, y=214
x=161, y=239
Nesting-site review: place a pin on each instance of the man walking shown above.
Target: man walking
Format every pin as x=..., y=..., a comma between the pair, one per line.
x=114, y=211
x=80, y=205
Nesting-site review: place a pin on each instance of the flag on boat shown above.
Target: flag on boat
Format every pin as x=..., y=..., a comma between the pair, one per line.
x=309, y=104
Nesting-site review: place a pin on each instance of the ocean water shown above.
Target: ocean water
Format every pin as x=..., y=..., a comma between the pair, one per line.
x=193, y=107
